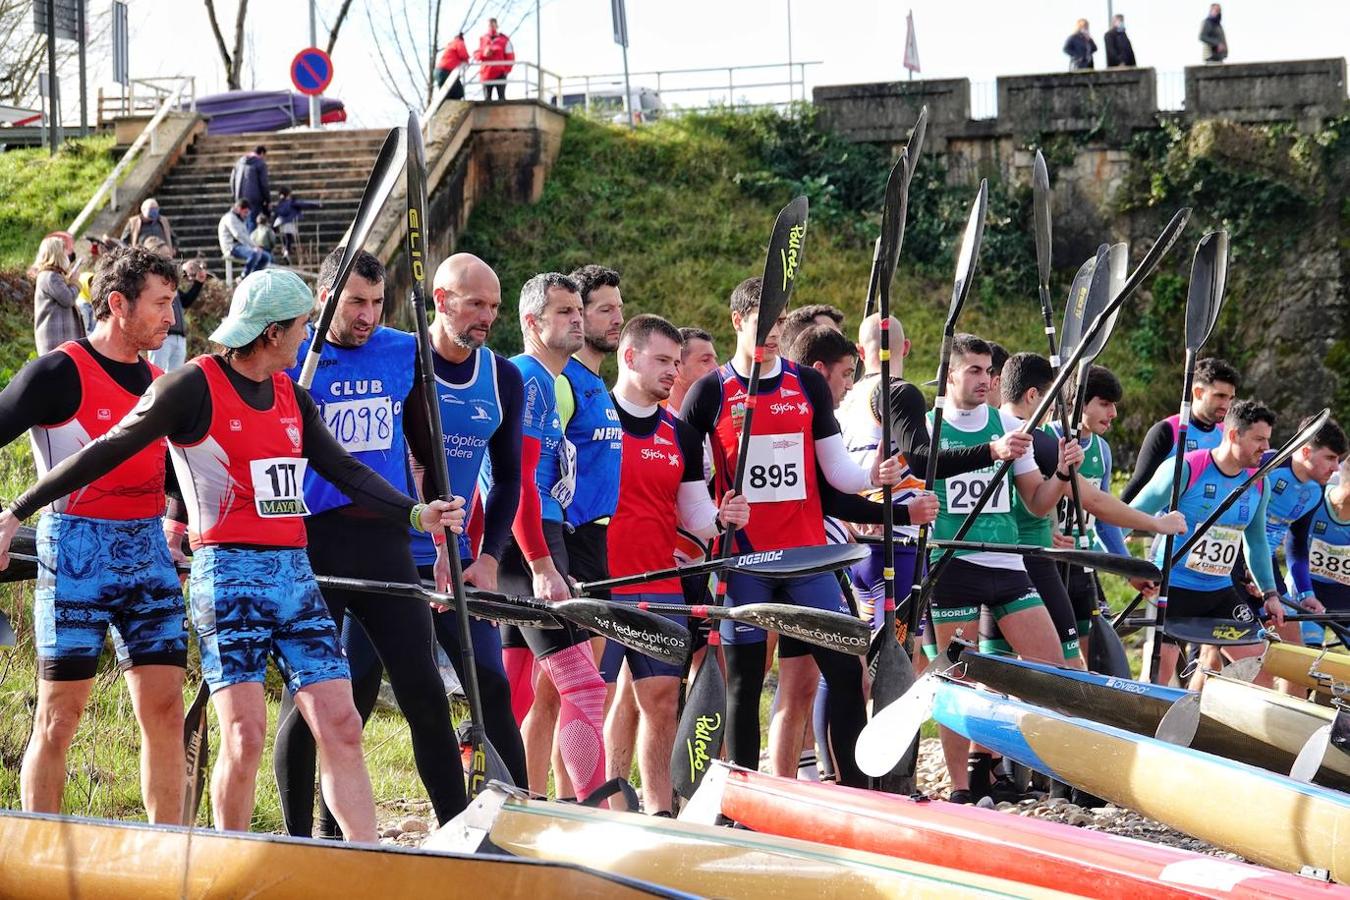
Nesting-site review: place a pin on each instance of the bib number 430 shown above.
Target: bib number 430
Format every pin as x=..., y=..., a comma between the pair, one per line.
x=278, y=486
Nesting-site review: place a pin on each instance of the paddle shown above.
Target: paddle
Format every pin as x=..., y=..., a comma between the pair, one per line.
x=1203, y=301
x=911, y=157
x=383, y=176
x=1181, y=721
x=888, y=736
x=831, y=630
x=702, y=724
x=1128, y=566
x=7, y=638
x=965, y=272
x=892, y=669
x=1106, y=654
x=790, y=562
x=1146, y=267
x=196, y=751
x=482, y=604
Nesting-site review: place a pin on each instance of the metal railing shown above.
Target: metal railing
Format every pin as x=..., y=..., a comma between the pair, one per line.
x=526, y=80
x=1172, y=90
x=144, y=95
x=717, y=85
x=984, y=100
x=107, y=191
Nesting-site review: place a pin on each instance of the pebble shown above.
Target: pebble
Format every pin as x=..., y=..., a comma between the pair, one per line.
x=412, y=826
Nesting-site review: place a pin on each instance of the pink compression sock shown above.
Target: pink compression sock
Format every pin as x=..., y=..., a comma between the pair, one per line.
x=581, y=719
x=519, y=664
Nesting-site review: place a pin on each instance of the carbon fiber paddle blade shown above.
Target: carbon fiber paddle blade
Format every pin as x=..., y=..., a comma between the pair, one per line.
x=1166, y=238
x=781, y=264
x=831, y=630
x=1126, y=566
x=893, y=218
x=1309, y=759
x=887, y=738
x=1120, y=267
x=915, y=146
x=793, y=562
x=971, y=239
x=506, y=610
x=894, y=676
x=1040, y=207
x=1106, y=654
x=647, y=633
x=197, y=753
x=1071, y=332
x=1098, y=299
x=1245, y=669
x=1181, y=721
x=1340, y=730
x=698, y=738
x=1218, y=632
x=18, y=570
x=1204, y=298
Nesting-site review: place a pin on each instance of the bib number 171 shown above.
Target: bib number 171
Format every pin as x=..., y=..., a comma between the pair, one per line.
x=278, y=486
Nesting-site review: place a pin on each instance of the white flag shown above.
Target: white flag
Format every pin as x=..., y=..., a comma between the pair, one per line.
x=911, y=44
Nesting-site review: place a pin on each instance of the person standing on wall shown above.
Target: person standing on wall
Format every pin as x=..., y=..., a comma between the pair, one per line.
x=1080, y=46
x=1212, y=36
x=1119, y=50
x=494, y=47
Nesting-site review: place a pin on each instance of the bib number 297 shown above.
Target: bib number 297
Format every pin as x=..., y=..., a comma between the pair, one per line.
x=278, y=486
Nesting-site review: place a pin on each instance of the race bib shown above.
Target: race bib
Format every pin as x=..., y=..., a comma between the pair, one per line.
x=365, y=424
x=1329, y=562
x=1215, y=552
x=278, y=486
x=966, y=489
x=775, y=468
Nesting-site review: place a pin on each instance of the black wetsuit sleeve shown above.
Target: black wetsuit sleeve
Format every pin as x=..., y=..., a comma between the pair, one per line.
x=503, y=498
x=817, y=390
x=169, y=408
x=855, y=508
x=45, y=392
x=347, y=473
x=1156, y=448
x=691, y=448
x=909, y=429
x=702, y=403
x=188, y=297
x=1045, y=450
x=417, y=432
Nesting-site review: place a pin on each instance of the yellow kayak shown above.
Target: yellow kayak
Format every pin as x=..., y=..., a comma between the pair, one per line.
x=1306, y=666
x=44, y=856
x=703, y=859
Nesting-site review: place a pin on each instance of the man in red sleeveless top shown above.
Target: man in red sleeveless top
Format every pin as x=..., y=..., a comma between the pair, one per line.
x=794, y=430
x=242, y=435
x=104, y=562
x=661, y=489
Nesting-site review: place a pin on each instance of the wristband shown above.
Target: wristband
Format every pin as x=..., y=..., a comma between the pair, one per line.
x=415, y=516
x=1062, y=476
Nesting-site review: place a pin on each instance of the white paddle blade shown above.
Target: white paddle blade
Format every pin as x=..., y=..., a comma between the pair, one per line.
x=889, y=735
x=1310, y=757
x=1245, y=669
x=1181, y=721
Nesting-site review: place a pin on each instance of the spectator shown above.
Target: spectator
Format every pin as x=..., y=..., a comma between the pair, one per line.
x=248, y=182
x=147, y=225
x=493, y=47
x=235, y=241
x=1080, y=46
x=1211, y=35
x=56, y=318
x=173, y=352
x=288, y=212
x=803, y=317
x=452, y=62
x=1119, y=50
x=85, y=303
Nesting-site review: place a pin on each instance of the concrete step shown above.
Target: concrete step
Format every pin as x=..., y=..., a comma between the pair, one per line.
x=338, y=153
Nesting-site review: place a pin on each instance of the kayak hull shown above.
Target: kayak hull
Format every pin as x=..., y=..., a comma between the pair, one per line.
x=44, y=856
x=1282, y=823
x=1298, y=665
x=1026, y=850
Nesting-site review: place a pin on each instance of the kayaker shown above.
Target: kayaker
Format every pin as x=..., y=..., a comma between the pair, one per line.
x=794, y=428
x=242, y=437
x=662, y=490
x=104, y=561
x=1317, y=548
x=593, y=431
x=1201, y=584
x=977, y=578
x=1215, y=387
x=536, y=561
x=367, y=393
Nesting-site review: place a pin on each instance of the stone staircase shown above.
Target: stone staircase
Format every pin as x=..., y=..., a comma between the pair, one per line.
x=330, y=167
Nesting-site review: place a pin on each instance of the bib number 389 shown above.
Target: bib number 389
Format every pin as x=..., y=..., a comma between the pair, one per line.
x=774, y=468
x=1329, y=561
x=278, y=486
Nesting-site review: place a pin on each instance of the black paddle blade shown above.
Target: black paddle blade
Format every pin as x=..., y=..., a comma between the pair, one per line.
x=894, y=676
x=647, y=633
x=1166, y=238
x=794, y=562
x=1221, y=632
x=7, y=636
x=1209, y=272
x=781, y=264
x=1125, y=566
x=698, y=737
x=506, y=610
x=19, y=569
x=831, y=630
x=1340, y=730
x=1040, y=207
x=383, y=177
x=1098, y=300
x=893, y=219
x=915, y=146
x=1075, y=307
x=196, y=753
x=1106, y=654
x=970, y=254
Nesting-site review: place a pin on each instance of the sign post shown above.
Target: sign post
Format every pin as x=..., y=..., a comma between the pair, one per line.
x=311, y=73
x=313, y=98
x=621, y=38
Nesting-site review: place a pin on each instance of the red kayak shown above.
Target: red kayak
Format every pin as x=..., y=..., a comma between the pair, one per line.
x=1031, y=851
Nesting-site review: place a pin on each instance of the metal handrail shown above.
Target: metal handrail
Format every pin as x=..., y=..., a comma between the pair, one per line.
x=107, y=191
x=587, y=84
x=524, y=71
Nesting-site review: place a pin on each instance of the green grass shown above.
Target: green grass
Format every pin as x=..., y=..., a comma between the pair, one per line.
x=41, y=193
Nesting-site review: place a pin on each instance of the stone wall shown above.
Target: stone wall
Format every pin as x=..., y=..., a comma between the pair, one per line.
x=1306, y=91
x=877, y=113
x=1110, y=102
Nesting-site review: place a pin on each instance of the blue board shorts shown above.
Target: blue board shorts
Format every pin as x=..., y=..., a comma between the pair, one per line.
x=248, y=605
x=816, y=591
x=640, y=665
x=96, y=574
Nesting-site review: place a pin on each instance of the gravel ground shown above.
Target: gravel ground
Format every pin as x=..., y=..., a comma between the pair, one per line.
x=407, y=823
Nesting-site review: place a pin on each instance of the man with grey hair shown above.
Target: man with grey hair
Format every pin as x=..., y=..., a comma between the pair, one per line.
x=147, y=225
x=536, y=561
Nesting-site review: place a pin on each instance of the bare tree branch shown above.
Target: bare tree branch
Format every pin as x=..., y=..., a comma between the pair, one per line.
x=220, y=39
x=337, y=25
x=233, y=78
x=394, y=85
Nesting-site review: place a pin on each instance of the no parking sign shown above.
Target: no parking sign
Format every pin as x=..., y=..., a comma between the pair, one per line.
x=311, y=71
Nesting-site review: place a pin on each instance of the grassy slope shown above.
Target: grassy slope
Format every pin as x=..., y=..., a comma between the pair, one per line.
x=41, y=193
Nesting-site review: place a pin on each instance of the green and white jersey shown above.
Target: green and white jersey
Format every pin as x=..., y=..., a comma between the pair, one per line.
x=1034, y=530
x=958, y=494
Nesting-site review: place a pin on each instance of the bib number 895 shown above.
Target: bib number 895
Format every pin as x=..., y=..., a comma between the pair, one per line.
x=774, y=475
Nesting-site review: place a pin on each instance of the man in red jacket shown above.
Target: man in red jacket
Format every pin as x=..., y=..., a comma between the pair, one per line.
x=494, y=47
x=452, y=60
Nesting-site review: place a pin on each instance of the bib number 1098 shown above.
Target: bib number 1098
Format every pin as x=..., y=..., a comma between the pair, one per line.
x=278, y=486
